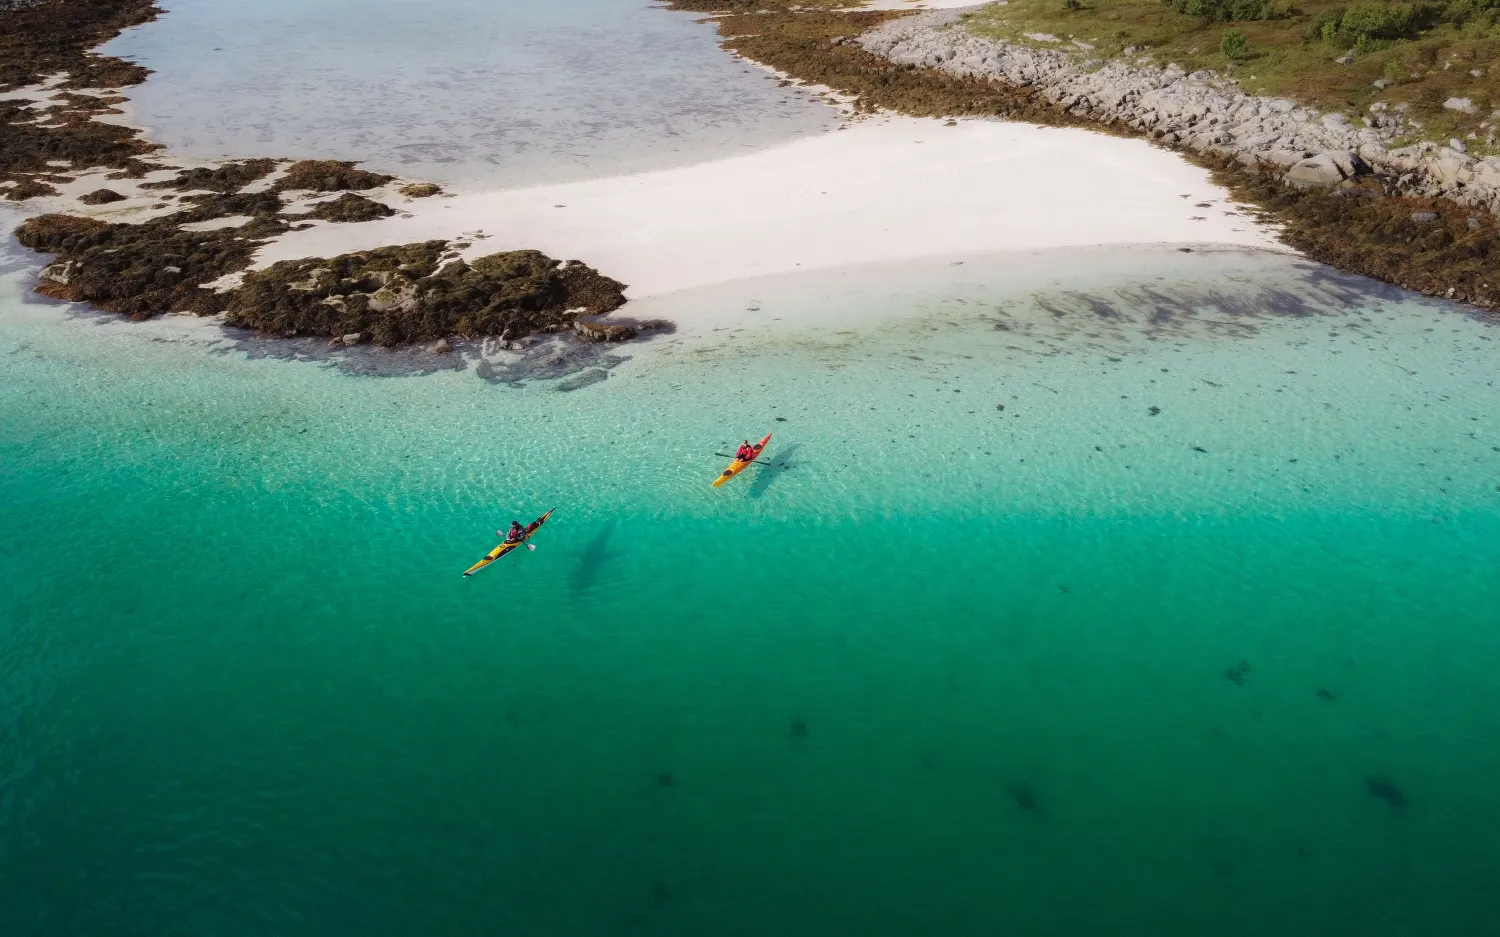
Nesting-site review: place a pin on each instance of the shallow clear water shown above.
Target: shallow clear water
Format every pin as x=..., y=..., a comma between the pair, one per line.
x=471, y=92
x=1063, y=668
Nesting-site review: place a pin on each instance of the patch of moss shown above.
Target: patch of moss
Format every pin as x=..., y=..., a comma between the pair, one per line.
x=420, y=293
x=327, y=175
x=347, y=208
x=229, y=177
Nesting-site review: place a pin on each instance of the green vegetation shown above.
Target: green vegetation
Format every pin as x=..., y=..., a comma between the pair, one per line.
x=1333, y=56
x=1234, y=45
x=1230, y=11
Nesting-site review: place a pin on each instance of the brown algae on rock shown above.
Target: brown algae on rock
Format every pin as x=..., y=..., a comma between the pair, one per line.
x=227, y=177
x=420, y=293
x=51, y=38
x=420, y=190
x=328, y=175
x=140, y=270
x=347, y=208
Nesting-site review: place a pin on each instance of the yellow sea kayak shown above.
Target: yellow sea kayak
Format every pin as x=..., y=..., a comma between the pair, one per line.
x=738, y=465
x=505, y=548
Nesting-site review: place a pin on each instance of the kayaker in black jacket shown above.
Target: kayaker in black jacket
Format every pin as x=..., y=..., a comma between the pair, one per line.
x=516, y=534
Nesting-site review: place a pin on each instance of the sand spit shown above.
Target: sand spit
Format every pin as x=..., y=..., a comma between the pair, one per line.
x=880, y=190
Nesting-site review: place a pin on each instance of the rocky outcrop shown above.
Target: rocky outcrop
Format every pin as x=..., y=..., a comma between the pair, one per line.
x=222, y=214
x=226, y=177
x=27, y=188
x=593, y=332
x=420, y=293
x=101, y=197
x=327, y=175
x=348, y=208
x=1201, y=111
x=140, y=270
x=53, y=37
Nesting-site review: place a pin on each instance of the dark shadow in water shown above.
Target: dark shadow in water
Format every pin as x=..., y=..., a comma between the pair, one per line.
x=1383, y=788
x=562, y=357
x=1023, y=795
x=1234, y=306
x=595, y=554
x=766, y=474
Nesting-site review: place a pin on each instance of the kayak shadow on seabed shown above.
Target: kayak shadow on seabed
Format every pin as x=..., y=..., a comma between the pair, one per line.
x=595, y=555
x=767, y=473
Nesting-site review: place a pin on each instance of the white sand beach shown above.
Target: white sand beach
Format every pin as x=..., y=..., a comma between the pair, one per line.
x=880, y=190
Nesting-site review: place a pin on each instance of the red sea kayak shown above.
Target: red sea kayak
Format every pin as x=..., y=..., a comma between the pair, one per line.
x=505, y=548
x=738, y=465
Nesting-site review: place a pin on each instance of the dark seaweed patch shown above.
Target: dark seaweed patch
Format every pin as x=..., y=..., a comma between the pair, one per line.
x=1237, y=673
x=55, y=37
x=101, y=197
x=327, y=175
x=141, y=270
x=347, y=208
x=582, y=380
x=225, y=178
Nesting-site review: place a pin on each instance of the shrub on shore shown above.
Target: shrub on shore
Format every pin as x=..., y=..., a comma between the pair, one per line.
x=1234, y=45
x=1232, y=11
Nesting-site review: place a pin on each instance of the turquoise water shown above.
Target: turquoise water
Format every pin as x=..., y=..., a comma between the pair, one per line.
x=1066, y=667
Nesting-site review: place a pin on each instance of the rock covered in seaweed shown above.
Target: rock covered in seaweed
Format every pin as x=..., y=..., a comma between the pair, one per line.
x=348, y=208
x=28, y=188
x=328, y=175
x=101, y=197
x=40, y=39
x=225, y=178
x=141, y=270
x=420, y=293
x=55, y=38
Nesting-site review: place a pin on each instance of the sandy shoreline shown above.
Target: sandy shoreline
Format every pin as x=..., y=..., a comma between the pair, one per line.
x=881, y=190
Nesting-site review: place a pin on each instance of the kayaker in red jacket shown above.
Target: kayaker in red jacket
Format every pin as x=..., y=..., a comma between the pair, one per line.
x=745, y=452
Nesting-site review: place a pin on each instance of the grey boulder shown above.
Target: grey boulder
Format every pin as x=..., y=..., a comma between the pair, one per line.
x=1320, y=170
